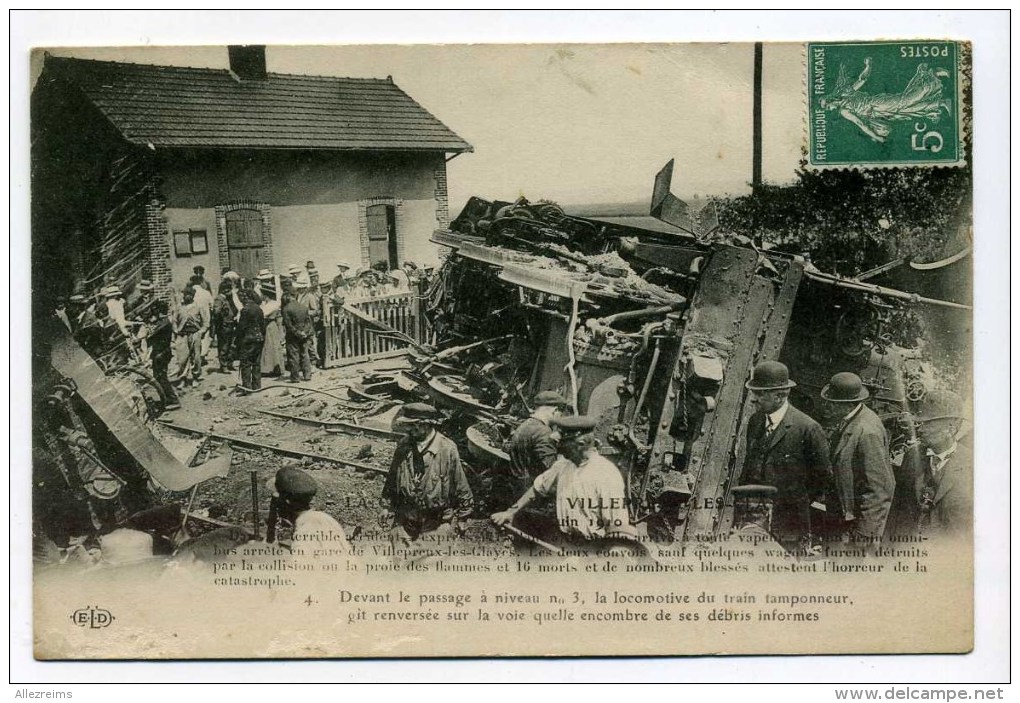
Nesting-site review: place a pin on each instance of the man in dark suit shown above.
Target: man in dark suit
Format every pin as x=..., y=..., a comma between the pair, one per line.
x=860, y=457
x=944, y=488
x=249, y=336
x=786, y=449
x=300, y=335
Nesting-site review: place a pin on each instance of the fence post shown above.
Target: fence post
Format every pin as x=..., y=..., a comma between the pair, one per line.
x=415, y=289
x=327, y=322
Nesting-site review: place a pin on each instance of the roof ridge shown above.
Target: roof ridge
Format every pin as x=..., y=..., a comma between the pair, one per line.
x=76, y=59
x=164, y=105
x=319, y=76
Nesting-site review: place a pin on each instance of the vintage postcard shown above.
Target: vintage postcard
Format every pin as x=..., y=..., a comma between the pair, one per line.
x=502, y=350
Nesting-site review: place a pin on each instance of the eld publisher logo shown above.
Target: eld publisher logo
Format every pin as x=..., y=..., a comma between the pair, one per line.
x=93, y=618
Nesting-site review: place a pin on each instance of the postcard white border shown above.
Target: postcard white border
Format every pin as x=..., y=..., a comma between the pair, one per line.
x=988, y=32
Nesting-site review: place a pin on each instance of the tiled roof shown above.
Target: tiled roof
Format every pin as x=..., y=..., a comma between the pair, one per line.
x=171, y=106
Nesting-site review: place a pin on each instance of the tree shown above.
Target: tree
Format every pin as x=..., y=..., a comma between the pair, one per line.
x=849, y=221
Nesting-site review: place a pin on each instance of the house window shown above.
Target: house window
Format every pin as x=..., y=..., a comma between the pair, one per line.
x=199, y=242
x=382, y=236
x=190, y=241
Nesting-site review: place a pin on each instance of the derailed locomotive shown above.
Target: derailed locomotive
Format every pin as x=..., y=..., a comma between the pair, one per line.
x=655, y=334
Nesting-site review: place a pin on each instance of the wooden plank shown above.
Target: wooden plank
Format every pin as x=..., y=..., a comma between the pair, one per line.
x=349, y=361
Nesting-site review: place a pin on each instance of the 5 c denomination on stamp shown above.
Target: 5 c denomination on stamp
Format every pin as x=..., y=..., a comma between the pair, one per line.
x=884, y=103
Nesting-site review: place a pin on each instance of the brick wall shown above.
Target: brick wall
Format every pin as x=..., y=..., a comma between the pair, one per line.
x=442, y=198
x=158, y=241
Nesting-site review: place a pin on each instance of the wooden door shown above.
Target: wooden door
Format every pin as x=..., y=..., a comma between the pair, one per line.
x=382, y=236
x=244, y=242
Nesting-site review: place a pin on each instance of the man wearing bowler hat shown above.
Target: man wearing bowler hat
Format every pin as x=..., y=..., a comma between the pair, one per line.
x=944, y=487
x=426, y=487
x=860, y=457
x=787, y=449
x=532, y=446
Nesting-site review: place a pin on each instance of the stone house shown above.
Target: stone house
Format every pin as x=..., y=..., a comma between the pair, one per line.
x=144, y=171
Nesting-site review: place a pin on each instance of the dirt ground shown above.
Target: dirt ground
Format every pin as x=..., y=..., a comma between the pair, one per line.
x=350, y=495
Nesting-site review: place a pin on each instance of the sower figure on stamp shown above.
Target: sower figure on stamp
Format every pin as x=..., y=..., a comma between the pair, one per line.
x=591, y=504
x=788, y=450
x=426, y=488
x=860, y=458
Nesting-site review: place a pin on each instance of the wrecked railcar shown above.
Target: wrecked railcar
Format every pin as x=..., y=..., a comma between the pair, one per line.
x=98, y=462
x=655, y=334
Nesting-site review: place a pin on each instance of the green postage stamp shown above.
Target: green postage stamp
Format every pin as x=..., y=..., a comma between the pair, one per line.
x=884, y=103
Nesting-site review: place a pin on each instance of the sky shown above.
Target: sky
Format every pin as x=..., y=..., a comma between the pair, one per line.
x=574, y=123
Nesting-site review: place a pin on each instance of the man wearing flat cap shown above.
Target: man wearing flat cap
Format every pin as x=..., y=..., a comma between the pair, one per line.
x=860, y=457
x=532, y=446
x=292, y=492
x=787, y=449
x=944, y=487
x=426, y=487
x=591, y=504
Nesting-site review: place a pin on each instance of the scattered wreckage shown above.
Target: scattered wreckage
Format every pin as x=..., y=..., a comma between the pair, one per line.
x=654, y=333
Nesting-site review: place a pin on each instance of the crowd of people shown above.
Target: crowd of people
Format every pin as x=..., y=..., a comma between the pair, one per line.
x=427, y=495
x=836, y=483
x=842, y=482
x=822, y=483
x=266, y=325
